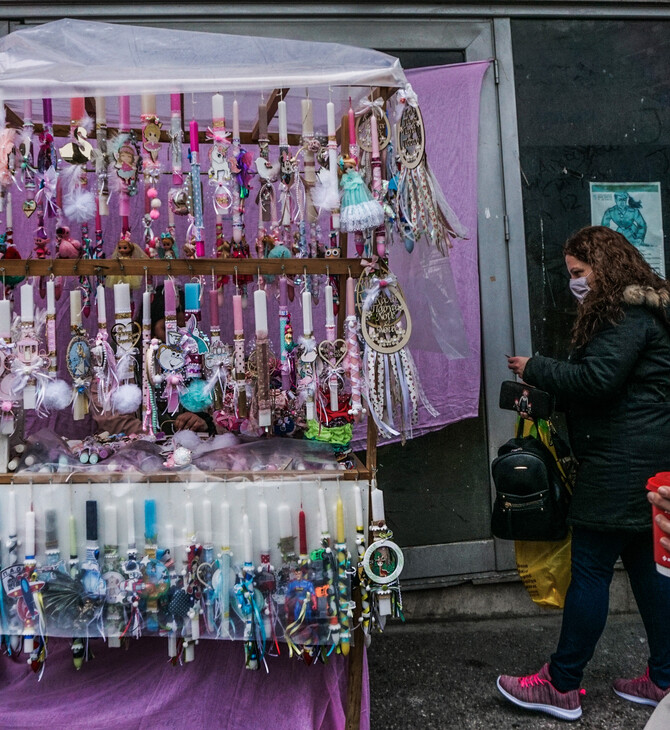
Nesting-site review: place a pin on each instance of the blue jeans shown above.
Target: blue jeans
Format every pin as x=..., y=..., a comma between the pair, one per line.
x=587, y=603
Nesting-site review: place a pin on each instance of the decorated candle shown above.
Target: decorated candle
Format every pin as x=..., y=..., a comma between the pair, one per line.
x=236, y=121
x=263, y=530
x=307, y=118
x=122, y=299
x=27, y=303
x=225, y=525
x=30, y=535
x=261, y=313
x=111, y=534
x=189, y=520
x=193, y=138
x=192, y=296
x=351, y=299
x=307, y=326
x=302, y=533
x=247, y=555
x=285, y=529
x=339, y=520
x=146, y=308
x=148, y=105
x=214, y=309
x=330, y=311
x=283, y=129
x=378, y=505
x=5, y=319
x=206, y=522
x=238, y=322
x=217, y=107
x=130, y=522
x=323, y=514
x=358, y=506
x=75, y=308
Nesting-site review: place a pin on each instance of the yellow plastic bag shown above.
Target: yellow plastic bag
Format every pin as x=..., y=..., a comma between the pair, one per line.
x=544, y=569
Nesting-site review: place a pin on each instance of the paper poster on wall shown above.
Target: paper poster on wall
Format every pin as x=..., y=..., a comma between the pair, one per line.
x=633, y=209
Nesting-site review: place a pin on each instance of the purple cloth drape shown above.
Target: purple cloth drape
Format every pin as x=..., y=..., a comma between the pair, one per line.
x=139, y=690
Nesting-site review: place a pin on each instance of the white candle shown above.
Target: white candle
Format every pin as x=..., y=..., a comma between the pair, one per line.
x=130, y=519
x=217, y=106
x=51, y=297
x=330, y=114
x=9, y=221
x=5, y=319
x=30, y=534
x=358, y=506
x=111, y=535
x=330, y=310
x=101, y=304
x=206, y=522
x=148, y=104
x=11, y=517
x=261, y=312
x=146, y=308
x=307, y=326
x=225, y=525
x=246, y=540
x=264, y=533
x=378, y=505
x=236, y=120
x=75, y=308
x=190, y=520
x=122, y=298
x=323, y=514
x=27, y=303
x=283, y=128
x=285, y=529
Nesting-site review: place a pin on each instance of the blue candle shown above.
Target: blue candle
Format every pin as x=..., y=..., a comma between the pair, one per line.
x=150, y=519
x=192, y=296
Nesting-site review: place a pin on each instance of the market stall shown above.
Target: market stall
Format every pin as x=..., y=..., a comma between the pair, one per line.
x=204, y=307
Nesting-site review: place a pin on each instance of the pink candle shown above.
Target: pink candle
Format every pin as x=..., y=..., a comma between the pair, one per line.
x=302, y=533
x=351, y=300
x=169, y=293
x=374, y=134
x=238, y=323
x=77, y=109
x=124, y=113
x=175, y=103
x=283, y=291
x=193, y=139
x=27, y=110
x=214, y=308
x=352, y=128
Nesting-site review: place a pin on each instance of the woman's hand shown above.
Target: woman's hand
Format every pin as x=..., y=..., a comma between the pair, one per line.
x=517, y=364
x=662, y=501
x=189, y=422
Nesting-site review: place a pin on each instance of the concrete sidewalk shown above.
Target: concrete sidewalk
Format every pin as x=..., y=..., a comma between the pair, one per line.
x=441, y=675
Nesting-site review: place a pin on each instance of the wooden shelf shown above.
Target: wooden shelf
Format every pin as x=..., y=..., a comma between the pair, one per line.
x=177, y=267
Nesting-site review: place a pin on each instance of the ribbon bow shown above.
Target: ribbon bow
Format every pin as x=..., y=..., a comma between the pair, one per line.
x=371, y=265
x=376, y=106
x=408, y=96
x=377, y=286
x=220, y=136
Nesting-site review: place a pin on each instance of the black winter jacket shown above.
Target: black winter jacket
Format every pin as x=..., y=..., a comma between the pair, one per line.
x=616, y=394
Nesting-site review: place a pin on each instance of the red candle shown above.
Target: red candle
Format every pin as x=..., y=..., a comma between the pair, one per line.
x=77, y=109
x=302, y=532
x=175, y=103
x=214, y=308
x=193, y=139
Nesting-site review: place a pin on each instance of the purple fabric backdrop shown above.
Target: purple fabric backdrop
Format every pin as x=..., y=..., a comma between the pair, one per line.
x=139, y=689
x=449, y=101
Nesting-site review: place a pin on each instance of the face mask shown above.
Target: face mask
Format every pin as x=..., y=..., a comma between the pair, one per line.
x=580, y=287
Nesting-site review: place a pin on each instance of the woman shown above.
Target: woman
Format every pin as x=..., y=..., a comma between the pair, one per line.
x=615, y=389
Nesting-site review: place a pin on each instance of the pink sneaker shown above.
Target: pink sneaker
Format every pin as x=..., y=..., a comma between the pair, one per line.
x=641, y=690
x=536, y=692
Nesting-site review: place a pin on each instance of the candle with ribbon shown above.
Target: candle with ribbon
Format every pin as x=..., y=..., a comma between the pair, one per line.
x=267, y=174
x=127, y=162
x=28, y=366
x=114, y=622
x=219, y=168
x=126, y=334
x=73, y=563
x=150, y=417
x=244, y=591
x=309, y=147
x=343, y=587
x=284, y=319
x=352, y=361
x=151, y=166
x=78, y=357
x=286, y=174
x=360, y=548
x=328, y=350
x=377, y=191
x=334, y=236
x=262, y=359
x=27, y=166
x=330, y=571
x=45, y=197
x=221, y=578
x=239, y=362
x=177, y=196
x=196, y=234
x=308, y=358
x=103, y=358
x=101, y=156
x=91, y=579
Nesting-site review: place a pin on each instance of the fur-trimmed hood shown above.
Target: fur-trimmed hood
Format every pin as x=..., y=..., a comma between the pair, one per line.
x=647, y=296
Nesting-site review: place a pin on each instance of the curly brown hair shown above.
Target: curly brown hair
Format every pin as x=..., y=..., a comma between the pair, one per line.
x=616, y=264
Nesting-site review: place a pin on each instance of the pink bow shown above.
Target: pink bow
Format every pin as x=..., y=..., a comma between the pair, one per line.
x=370, y=266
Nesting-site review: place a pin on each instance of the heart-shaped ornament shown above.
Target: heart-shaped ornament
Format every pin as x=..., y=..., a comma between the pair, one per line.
x=29, y=207
x=333, y=352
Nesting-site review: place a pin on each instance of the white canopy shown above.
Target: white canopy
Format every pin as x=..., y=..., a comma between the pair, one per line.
x=69, y=58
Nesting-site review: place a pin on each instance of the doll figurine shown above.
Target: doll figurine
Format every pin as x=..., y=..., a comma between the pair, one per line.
x=126, y=249
x=66, y=247
x=359, y=210
x=166, y=247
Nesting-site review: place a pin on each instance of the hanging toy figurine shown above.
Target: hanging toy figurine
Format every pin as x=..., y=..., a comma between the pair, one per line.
x=126, y=249
x=166, y=247
x=358, y=208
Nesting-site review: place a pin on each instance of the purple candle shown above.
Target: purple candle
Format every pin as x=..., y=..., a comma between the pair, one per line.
x=195, y=144
x=214, y=308
x=47, y=111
